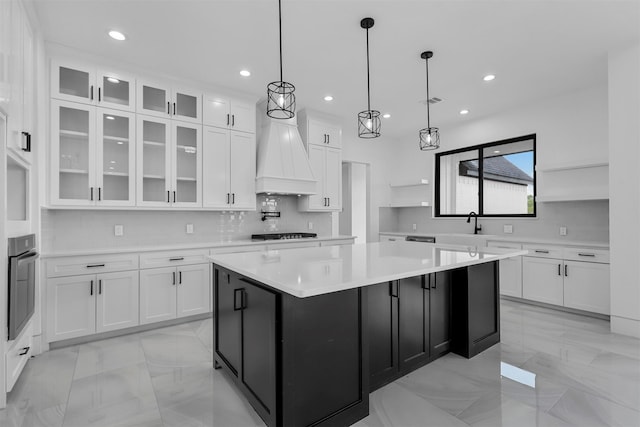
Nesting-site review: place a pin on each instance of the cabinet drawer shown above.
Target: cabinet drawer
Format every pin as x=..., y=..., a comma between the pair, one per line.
x=544, y=251
x=237, y=249
x=287, y=245
x=337, y=242
x=18, y=354
x=173, y=258
x=72, y=266
x=587, y=255
x=504, y=245
x=392, y=238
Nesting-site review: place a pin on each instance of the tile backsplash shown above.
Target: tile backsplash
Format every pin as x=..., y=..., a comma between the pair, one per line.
x=70, y=230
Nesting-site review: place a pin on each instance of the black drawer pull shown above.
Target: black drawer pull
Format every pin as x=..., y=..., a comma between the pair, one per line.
x=95, y=265
x=565, y=270
x=174, y=278
x=180, y=258
x=238, y=303
x=559, y=274
x=24, y=351
x=589, y=255
x=538, y=251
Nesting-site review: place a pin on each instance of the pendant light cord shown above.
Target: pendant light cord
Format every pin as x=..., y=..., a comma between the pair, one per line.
x=280, y=34
x=428, y=121
x=368, y=85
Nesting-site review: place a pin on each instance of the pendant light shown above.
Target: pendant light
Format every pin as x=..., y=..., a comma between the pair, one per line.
x=281, y=102
x=429, y=137
x=368, y=120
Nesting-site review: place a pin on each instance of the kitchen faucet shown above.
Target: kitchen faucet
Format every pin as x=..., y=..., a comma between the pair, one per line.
x=476, y=227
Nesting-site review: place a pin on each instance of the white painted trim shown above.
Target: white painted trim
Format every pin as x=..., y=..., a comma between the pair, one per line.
x=624, y=326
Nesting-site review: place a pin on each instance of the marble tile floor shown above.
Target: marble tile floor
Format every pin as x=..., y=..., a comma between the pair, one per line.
x=578, y=374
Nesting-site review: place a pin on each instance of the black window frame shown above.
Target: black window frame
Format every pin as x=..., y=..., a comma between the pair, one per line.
x=480, y=149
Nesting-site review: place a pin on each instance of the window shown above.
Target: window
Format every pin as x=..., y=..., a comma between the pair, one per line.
x=494, y=179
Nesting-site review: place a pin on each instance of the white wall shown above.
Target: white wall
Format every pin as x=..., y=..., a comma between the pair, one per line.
x=624, y=189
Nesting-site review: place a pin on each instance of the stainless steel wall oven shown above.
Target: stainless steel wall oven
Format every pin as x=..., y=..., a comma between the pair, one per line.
x=22, y=282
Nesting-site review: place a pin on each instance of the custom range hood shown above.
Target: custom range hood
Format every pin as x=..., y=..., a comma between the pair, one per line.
x=283, y=165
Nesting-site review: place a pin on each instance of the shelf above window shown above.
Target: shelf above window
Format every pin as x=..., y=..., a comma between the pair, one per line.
x=573, y=181
x=410, y=194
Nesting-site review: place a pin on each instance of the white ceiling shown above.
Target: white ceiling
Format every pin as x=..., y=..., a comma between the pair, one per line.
x=537, y=49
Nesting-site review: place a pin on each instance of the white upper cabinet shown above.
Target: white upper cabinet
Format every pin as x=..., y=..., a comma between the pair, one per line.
x=227, y=113
x=5, y=52
x=169, y=163
x=324, y=133
x=92, y=156
x=229, y=176
x=161, y=100
x=89, y=85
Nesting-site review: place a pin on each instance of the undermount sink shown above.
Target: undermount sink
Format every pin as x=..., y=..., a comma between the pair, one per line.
x=463, y=239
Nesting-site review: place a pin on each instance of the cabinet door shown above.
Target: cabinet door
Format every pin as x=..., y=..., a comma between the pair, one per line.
x=158, y=294
x=16, y=79
x=228, y=319
x=586, y=286
x=187, y=105
x=187, y=164
x=73, y=82
x=193, y=290
x=71, y=307
x=243, y=171
x=116, y=90
x=243, y=116
x=216, y=186
x=317, y=133
x=153, y=161
x=440, y=312
x=542, y=280
x=216, y=111
x=333, y=178
x=115, y=162
x=28, y=89
x=511, y=277
x=413, y=322
x=117, y=301
x=73, y=154
x=259, y=344
x=153, y=99
x=5, y=52
x=383, y=333
x=317, y=160
x=334, y=136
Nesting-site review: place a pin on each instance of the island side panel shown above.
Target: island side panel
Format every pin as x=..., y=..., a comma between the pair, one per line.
x=325, y=362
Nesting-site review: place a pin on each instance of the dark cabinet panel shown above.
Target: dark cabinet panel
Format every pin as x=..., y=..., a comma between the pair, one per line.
x=228, y=327
x=383, y=333
x=440, y=312
x=413, y=322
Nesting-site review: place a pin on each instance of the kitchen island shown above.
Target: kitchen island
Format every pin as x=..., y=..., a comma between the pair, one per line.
x=306, y=334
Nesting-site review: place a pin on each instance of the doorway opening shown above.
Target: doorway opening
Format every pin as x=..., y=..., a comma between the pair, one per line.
x=355, y=216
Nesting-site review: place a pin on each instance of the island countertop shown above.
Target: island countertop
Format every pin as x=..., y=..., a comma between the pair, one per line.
x=306, y=272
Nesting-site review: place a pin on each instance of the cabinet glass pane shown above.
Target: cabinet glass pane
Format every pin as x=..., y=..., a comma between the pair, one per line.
x=153, y=157
x=115, y=91
x=115, y=157
x=74, y=153
x=74, y=82
x=186, y=163
x=187, y=105
x=154, y=99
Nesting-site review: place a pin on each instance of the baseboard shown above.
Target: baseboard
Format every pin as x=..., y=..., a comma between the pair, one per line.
x=556, y=307
x=625, y=326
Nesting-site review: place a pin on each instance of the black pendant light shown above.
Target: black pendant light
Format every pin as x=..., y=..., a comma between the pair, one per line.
x=429, y=137
x=368, y=120
x=281, y=102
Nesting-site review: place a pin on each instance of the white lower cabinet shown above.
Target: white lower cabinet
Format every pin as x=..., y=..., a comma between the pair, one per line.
x=510, y=270
x=542, y=280
x=172, y=292
x=586, y=286
x=74, y=301
x=18, y=353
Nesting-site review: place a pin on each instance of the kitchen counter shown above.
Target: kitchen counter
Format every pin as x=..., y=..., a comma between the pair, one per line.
x=207, y=245
x=316, y=271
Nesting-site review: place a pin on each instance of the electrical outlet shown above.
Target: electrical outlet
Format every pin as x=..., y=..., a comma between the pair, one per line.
x=563, y=231
x=310, y=225
x=189, y=228
x=414, y=227
x=507, y=229
x=118, y=230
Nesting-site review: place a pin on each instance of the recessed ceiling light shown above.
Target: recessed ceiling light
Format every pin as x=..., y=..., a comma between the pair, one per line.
x=109, y=117
x=117, y=35
x=496, y=151
x=328, y=98
x=488, y=77
x=113, y=162
x=463, y=112
x=386, y=115
x=113, y=80
x=120, y=142
x=245, y=73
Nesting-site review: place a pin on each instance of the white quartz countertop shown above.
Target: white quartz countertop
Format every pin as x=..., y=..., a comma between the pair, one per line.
x=306, y=272
x=187, y=246
x=502, y=238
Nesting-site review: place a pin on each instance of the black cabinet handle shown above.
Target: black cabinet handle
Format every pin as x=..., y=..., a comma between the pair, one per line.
x=233, y=120
x=168, y=107
x=174, y=108
x=174, y=197
x=589, y=255
x=559, y=274
x=91, y=288
x=95, y=265
x=228, y=198
x=173, y=275
x=179, y=258
x=233, y=198
x=91, y=196
x=99, y=94
x=92, y=92
x=328, y=201
x=168, y=196
x=99, y=193
x=328, y=139
x=393, y=285
x=27, y=141
x=180, y=277
x=434, y=284
x=24, y=351
x=238, y=303
x=565, y=270
x=227, y=119
x=541, y=251
x=100, y=287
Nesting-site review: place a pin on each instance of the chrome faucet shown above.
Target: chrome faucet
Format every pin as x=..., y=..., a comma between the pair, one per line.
x=476, y=227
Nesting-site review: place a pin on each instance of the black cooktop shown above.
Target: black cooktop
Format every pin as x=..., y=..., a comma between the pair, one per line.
x=281, y=236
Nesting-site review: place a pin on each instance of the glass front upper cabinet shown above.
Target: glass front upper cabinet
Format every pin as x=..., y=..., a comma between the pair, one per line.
x=153, y=160
x=187, y=155
x=161, y=100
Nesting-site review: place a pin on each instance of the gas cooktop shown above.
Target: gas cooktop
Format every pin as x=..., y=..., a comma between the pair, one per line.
x=282, y=236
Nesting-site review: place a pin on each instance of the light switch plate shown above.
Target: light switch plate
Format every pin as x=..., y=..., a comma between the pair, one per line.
x=563, y=231
x=508, y=229
x=189, y=228
x=118, y=230
x=310, y=225
x=414, y=227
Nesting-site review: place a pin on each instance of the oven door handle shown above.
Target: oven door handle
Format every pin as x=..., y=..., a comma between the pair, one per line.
x=27, y=256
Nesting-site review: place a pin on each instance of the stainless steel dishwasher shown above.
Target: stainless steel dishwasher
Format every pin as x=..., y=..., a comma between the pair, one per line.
x=423, y=239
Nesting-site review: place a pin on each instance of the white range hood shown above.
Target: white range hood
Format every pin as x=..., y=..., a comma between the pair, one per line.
x=283, y=164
